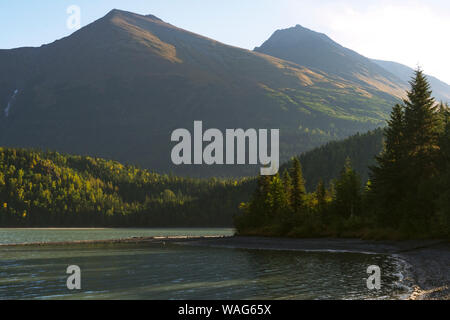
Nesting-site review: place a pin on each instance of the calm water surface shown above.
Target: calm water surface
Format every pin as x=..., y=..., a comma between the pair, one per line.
x=56, y=235
x=157, y=271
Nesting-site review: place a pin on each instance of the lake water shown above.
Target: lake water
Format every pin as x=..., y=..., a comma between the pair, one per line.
x=17, y=235
x=171, y=271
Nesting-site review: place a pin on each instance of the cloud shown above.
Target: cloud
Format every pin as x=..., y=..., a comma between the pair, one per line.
x=409, y=32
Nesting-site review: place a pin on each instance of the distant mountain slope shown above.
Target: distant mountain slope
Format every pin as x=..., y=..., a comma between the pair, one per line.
x=118, y=87
x=441, y=90
x=317, y=51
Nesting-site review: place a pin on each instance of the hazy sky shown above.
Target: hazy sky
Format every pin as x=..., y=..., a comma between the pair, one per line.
x=405, y=31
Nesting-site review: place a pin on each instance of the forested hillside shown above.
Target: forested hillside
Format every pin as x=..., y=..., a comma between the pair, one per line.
x=326, y=162
x=407, y=196
x=118, y=87
x=52, y=189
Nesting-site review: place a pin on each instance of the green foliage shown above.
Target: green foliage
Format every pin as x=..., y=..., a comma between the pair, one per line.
x=410, y=175
x=348, y=195
x=408, y=195
x=326, y=162
x=51, y=189
x=306, y=214
x=321, y=195
x=298, y=187
x=391, y=163
x=132, y=80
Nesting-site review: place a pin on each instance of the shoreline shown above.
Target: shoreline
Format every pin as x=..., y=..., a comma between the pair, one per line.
x=428, y=261
x=131, y=240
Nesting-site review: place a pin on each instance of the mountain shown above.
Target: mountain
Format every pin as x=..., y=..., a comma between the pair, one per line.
x=441, y=90
x=318, y=52
x=118, y=87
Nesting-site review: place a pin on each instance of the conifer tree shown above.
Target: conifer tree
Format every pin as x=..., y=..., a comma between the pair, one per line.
x=421, y=126
x=277, y=196
x=394, y=137
x=298, y=187
x=287, y=182
x=388, y=176
x=422, y=130
x=443, y=180
x=258, y=205
x=444, y=137
x=443, y=115
x=391, y=161
x=321, y=194
x=263, y=186
x=348, y=198
x=410, y=155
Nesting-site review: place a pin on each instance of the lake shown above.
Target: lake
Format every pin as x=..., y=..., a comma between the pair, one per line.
x=172, y=271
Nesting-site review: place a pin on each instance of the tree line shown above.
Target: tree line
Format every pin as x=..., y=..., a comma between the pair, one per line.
x=326, y=162
x=407, y=194
x=52, y=189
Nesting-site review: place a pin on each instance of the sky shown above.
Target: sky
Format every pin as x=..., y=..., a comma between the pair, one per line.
x=410, y=32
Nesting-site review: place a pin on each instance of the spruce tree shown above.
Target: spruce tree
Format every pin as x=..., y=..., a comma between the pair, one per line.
x=263, y=186
x=422, y=152
x=443, y=181
x=394, y=137
x=421, y=126
x=287, y=182
x=443, y=116
x=444, y=140
x=257, y=212
x=298, y=187
x=277, y=199
x=321, y=194
x=348, y=198
x=400, y=181
x=388, y=176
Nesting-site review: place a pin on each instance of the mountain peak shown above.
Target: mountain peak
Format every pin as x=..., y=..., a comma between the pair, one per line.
x=300, y=31
x=129, y=80
x=317, y=51
x=115, y=12
x=118, y=12
x=153, y=17
x=296, y=36
x=299, y=27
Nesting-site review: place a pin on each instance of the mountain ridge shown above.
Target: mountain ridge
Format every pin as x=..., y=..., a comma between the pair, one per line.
x=119, y=86
x=316, y=50
x=441, y=90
